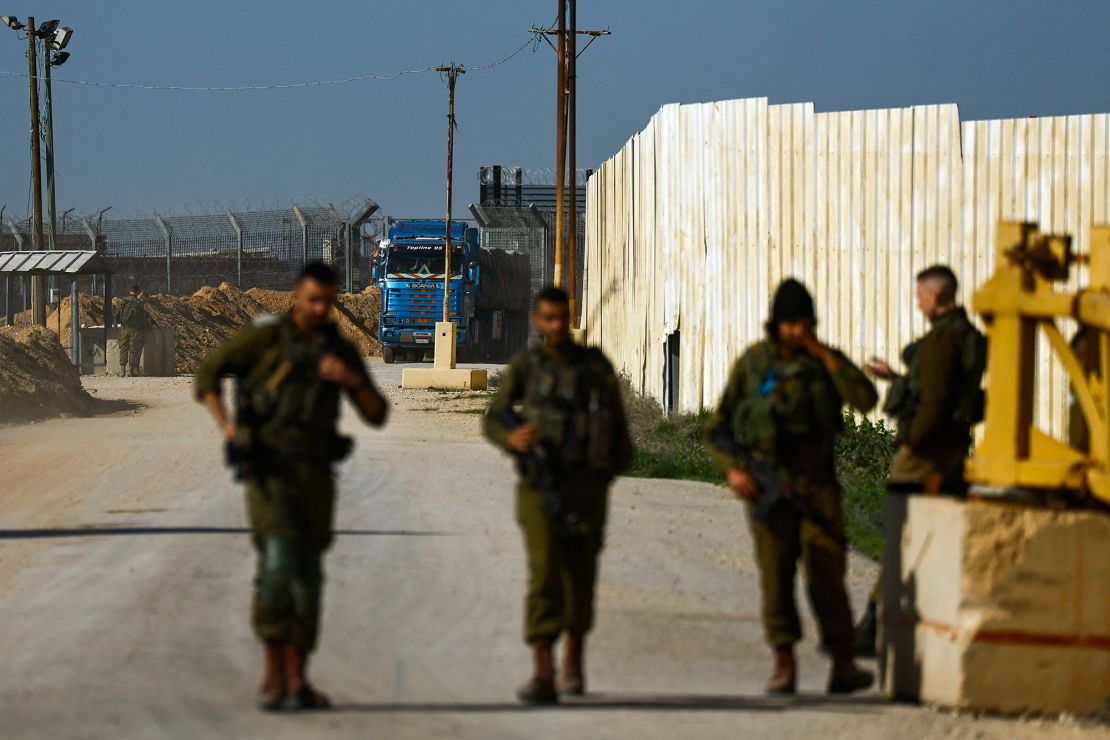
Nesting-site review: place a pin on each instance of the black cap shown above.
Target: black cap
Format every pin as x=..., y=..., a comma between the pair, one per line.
x=792, y=302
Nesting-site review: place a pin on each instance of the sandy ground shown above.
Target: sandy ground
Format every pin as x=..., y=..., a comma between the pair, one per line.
x=125, y=572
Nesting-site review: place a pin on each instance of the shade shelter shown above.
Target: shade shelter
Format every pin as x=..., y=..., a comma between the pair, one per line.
x=63, y=264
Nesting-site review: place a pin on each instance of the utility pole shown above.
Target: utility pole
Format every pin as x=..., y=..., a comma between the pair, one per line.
x=38, y=283
x=567, y=54
x=572, y=145
x=560, y=142
x=452, y=71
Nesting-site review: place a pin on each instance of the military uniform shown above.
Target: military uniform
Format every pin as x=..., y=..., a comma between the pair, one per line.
x=789, y=411
x=938, y=401
x=575, y=402
x=134, y=324
x=287, y=421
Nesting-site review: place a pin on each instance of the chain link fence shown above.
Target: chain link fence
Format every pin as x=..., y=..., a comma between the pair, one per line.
x=179, y=254
x=525, y=190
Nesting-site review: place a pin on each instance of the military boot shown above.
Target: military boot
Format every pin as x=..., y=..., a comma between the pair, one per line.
x=272, y=694
x=784, y=679
x=301, y=692
x=867, y=632
x=540, y=688
x=845, y=676
x=573, y=680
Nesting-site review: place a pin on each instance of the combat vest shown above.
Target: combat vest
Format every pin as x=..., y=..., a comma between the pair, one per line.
x=785, y=404
x=574, y=404
x=904, y=396
x=132, y=314
x=287, y=406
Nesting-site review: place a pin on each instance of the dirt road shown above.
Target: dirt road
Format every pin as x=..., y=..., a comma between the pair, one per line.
x=125, y=573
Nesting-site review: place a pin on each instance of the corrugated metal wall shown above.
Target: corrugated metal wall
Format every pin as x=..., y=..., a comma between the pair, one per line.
x=693, y=223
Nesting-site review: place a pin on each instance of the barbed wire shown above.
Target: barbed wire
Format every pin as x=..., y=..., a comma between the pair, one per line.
x=532, y=41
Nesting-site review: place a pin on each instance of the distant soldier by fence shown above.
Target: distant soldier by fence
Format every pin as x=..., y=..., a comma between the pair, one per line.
x=134, y=323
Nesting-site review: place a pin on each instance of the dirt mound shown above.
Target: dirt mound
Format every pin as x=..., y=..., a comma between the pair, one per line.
x=90, y=312
x=357, y=315
x=274, y=301
x=211, y=316
x=37, y=380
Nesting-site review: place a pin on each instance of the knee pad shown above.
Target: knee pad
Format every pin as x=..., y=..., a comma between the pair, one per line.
x=277, y=564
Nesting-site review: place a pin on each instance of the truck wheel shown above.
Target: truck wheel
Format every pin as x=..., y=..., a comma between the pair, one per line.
x=387, y=355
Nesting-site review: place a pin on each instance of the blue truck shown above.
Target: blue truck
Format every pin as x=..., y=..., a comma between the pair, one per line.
x=489, y=292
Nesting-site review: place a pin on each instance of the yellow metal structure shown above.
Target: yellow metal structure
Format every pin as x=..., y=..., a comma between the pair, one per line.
x=1018, y=301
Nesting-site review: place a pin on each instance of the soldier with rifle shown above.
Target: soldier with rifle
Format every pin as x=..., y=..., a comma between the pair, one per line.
x=773, y=435
x=570, y=439
x=290, y=372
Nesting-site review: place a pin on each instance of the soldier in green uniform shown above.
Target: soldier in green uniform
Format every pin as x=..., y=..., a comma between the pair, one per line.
x=570, y=440
x=936, y=404
x=940, y=398
x=773, y=435
x=134, y=324
x=291, y=371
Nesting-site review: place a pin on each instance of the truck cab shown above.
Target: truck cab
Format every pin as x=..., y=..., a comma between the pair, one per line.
x=409, y=268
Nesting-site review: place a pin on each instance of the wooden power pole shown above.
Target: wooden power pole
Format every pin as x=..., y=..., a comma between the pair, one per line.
x=572, y=145
x=560, y=141
x=452, y=71
x=567, y=54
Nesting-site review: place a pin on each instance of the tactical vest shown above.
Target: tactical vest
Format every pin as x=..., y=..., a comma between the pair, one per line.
x=784, y=403
x=289, y=408
x=132, y=314
x=904, y=396
x=574, y=406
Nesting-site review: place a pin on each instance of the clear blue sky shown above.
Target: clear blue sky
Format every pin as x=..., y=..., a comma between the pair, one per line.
x=141, y=150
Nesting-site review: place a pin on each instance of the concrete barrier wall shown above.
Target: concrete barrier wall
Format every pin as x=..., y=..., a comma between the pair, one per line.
x=158, y=357
x=996, y=606
x=692, y=224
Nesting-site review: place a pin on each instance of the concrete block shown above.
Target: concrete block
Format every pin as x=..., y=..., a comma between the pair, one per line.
x=159, y=350
x=444, y=358
x=996, y=606
x=450, y=378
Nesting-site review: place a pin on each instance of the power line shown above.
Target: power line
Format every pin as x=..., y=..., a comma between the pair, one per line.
x=283, y=86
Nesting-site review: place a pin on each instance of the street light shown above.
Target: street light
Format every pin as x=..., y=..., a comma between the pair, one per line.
x=54, y=40
x=11, y=22
x=61, y=38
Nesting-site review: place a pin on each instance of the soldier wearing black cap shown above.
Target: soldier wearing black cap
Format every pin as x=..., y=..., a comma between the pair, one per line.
x=779, y=417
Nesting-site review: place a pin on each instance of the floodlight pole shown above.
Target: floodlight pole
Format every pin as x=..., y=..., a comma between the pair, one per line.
x=38, y=283
x=48, y=126
x=452, y=71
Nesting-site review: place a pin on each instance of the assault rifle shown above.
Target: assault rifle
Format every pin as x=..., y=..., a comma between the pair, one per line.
x=537, y=468
x=773, y=484
x=255, y=404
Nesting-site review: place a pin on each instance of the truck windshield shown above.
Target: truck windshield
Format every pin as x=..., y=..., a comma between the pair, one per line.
x=422, y=262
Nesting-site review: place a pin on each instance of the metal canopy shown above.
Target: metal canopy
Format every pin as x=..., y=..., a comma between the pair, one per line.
x=53, y=262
